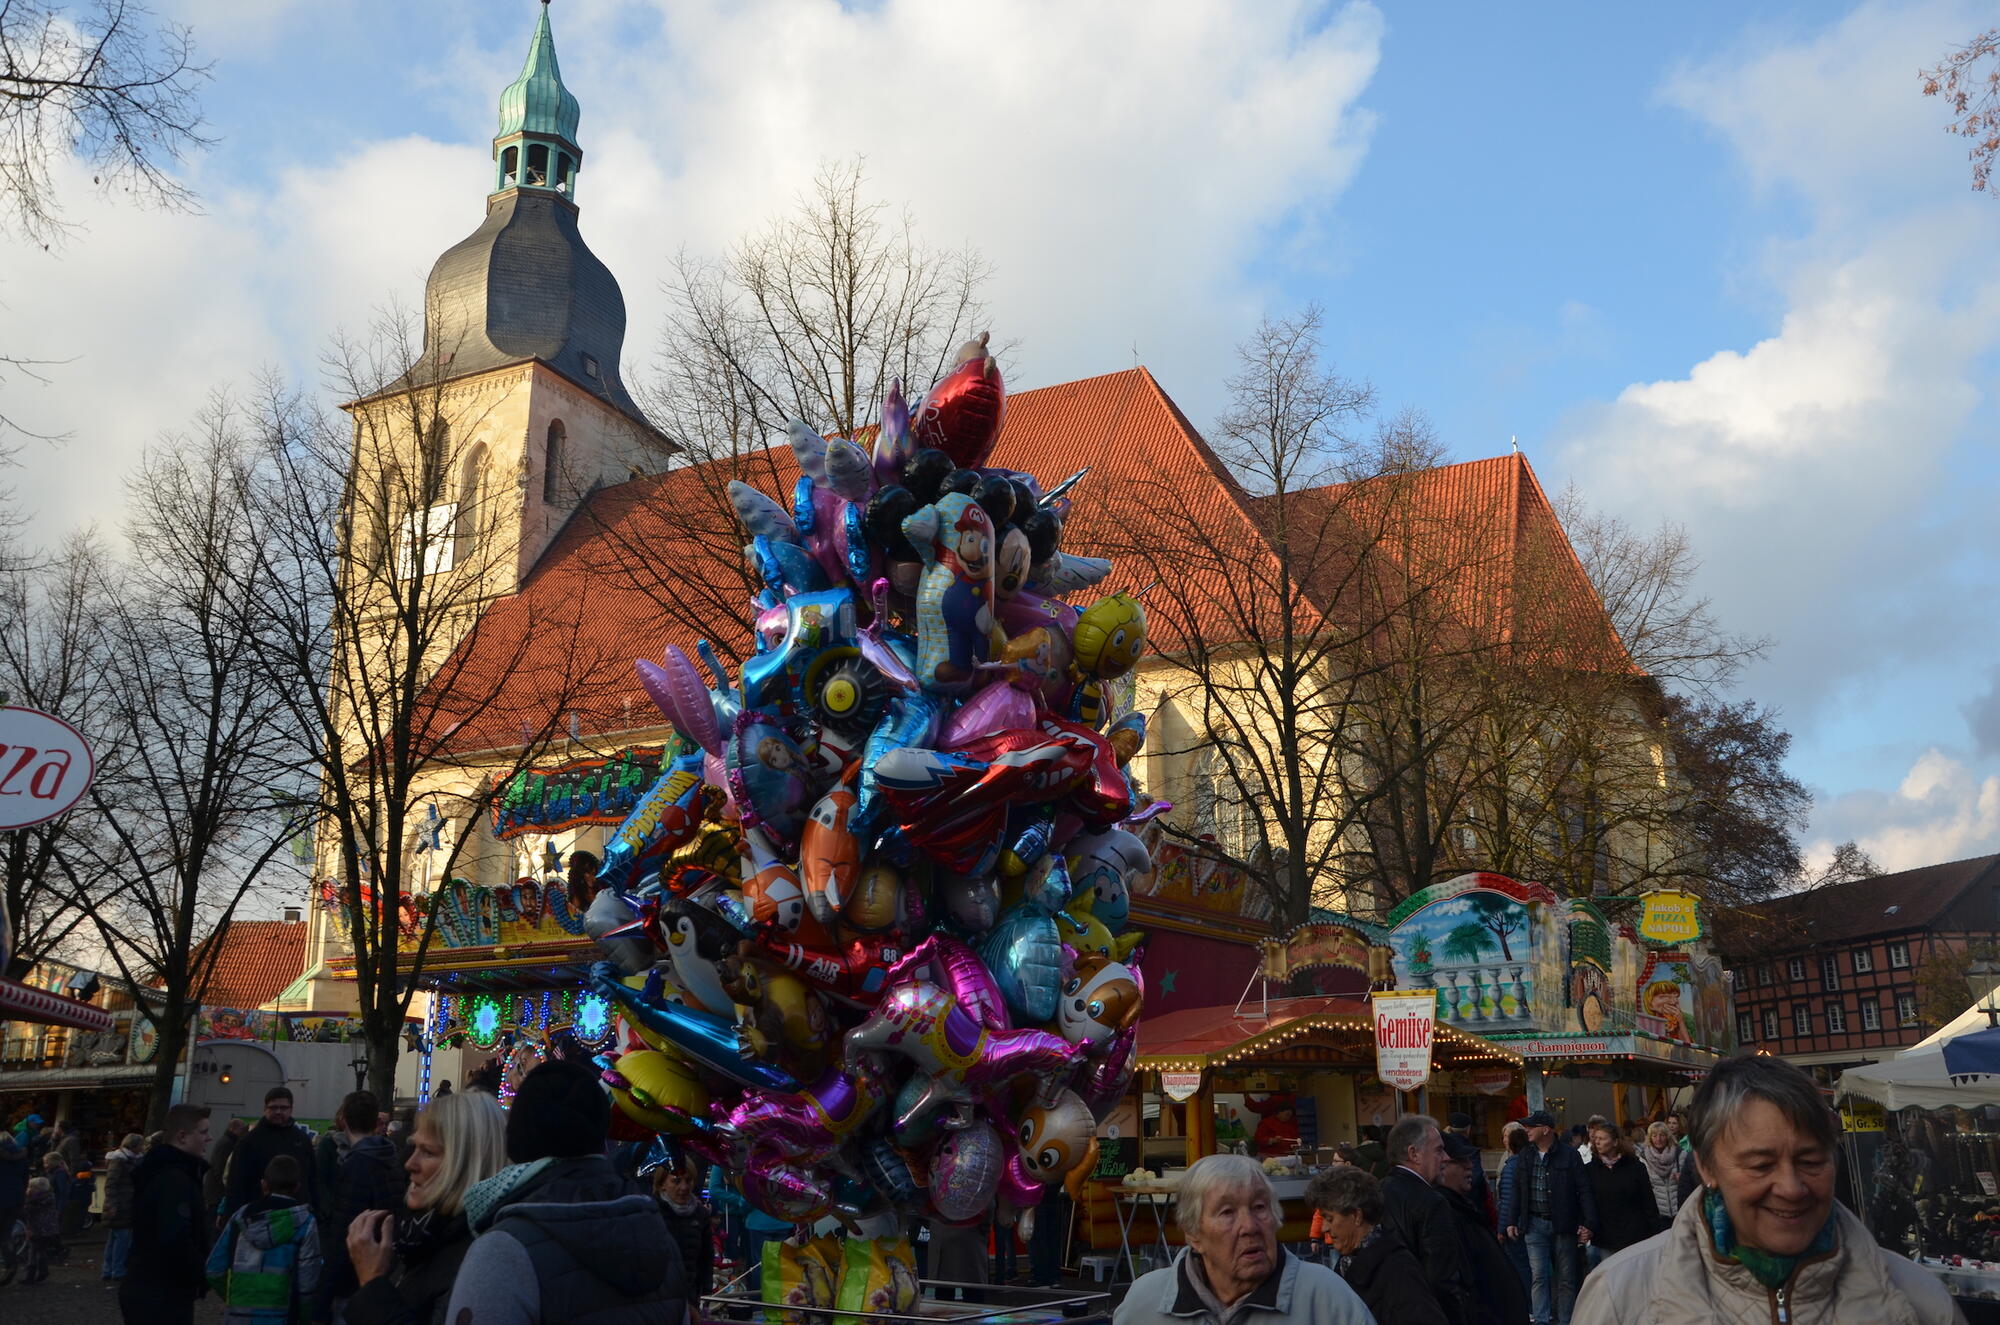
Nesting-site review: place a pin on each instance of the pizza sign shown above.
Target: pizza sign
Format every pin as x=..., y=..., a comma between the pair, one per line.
x=45, y=767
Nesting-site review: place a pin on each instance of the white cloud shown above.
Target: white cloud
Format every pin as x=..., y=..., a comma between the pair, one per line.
x=1804, y=463
x=1942, y=810
x=1120, y=164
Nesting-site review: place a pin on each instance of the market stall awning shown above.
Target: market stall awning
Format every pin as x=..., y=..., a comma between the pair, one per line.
x=1263, y=1032
x=1962, y=1072
x=19, y=1002
x=77, y=1078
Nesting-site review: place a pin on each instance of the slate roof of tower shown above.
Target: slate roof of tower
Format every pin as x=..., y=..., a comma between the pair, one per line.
x=525, y=287
x=584, y=611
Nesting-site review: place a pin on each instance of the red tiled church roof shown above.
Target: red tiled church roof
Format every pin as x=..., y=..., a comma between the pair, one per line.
x=656, y=561
x=257, y=959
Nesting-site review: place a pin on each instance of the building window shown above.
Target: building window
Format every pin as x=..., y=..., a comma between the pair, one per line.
x=552, y=463
x=1871, y=1015
x=1796, y=968
x=538, y=164
x=1770, y=1023
x=1836, y=1018
x=1899, y=956
x=1746, y=1028
x=1763, y=973
x=510, y=167
x=1829, y=972
x=1801, y=1019
x=1864, y=961
x=1906, y=1009
x=426, y=541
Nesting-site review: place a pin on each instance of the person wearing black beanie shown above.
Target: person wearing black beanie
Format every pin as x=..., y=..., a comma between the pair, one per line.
x=560, y=1112
x=559, y=1235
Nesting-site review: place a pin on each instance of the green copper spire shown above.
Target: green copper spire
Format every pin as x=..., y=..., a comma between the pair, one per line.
x=536, y=146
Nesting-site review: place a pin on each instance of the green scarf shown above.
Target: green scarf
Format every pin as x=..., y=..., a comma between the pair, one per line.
x=1774, y=1272
x=484, y=1199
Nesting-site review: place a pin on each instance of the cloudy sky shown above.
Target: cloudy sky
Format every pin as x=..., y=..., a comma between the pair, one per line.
x=1715, y=263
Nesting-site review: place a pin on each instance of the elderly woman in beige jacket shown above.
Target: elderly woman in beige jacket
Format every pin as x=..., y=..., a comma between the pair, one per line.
x=1762, y=1241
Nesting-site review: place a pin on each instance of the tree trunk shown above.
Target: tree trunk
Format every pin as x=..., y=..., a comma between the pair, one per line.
x=175, y=1035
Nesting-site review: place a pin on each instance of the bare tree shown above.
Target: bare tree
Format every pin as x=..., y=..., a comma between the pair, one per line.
x=1279, y=609
x=201, y=783
x=1968, y=78
x=52, y=657
x=386, y=541
x=813, y=317
x=99, y=83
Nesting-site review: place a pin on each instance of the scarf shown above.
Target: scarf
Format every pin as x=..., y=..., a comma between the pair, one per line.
x=1774, y=1272
x=420, y=1233
x=484, y=1199
x=1346, y=1260
x=1663, y=1165
x=684, y=1211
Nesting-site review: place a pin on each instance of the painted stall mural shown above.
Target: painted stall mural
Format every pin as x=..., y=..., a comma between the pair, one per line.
x=1513, y=960
x=1480, y=941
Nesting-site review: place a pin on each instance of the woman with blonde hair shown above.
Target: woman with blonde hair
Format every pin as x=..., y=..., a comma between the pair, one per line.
x=1664, y=1160
x=1626, y=1212
x=406, y=1265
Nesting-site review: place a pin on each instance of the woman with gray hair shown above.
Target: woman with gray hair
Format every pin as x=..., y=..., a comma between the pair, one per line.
x=1233, y=1271
x=1372, y=1259
x=1765, y=1240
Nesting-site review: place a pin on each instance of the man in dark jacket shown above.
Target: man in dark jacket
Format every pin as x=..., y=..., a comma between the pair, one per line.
x=559, y=1236
x=1417, y=1213
x=1501, y=1296
x=13, y=1190
x=167, y=1269
x=275, y=1134
x=367, y=1178
x=1549, y=1205
x=1370, y=1154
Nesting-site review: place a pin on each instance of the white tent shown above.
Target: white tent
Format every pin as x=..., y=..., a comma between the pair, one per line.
x=1948, y=1070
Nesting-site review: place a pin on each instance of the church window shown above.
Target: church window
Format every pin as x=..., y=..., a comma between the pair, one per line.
x=552, y=464
x=538, y=164
x=426, y=541
x=564, y=168
x=470, y=513
x=510, y=167
x=432, y=474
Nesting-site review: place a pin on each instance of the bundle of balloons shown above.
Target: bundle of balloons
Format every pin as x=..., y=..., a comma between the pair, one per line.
x=870, y=923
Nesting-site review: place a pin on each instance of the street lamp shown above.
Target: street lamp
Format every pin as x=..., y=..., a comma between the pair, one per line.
x=360, y=1066
x=1986, y=970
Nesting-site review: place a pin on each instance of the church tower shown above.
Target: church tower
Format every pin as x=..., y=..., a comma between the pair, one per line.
x=470, y=459
x=523, y=331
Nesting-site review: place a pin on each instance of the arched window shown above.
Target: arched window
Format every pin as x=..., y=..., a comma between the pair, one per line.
x=510, y=167
x=564, y=168
x=471, y=514
x=553, y=460
x=538, y=164
x=434, y=474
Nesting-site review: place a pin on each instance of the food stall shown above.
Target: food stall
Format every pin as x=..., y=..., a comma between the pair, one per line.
x=1931, y=1187
x=1312, y=1057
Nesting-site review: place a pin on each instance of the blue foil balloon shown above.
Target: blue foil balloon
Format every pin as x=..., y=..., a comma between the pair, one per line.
x=1024, y=953
x=888, y=1172
x=708, y=1039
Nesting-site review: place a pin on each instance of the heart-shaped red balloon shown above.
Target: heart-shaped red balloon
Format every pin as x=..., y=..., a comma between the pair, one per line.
x=962, y=414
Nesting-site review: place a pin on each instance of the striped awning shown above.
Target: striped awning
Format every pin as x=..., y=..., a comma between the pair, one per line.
x=19, y=1002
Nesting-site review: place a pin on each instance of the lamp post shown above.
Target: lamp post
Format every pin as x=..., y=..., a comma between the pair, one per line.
x=1987, y=971
x=359, y=1064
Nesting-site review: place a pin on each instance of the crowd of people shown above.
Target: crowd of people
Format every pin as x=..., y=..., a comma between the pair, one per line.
x=1733, y=1221
x=479, y=1215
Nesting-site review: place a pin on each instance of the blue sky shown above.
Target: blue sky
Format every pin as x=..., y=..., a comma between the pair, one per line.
x=1715, y=263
